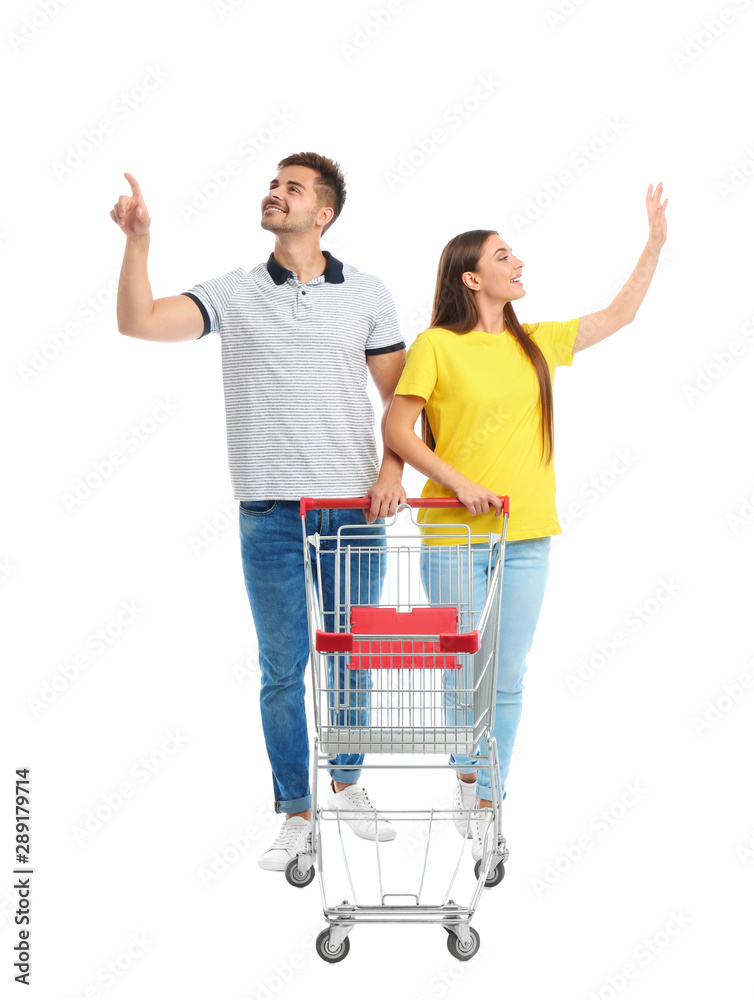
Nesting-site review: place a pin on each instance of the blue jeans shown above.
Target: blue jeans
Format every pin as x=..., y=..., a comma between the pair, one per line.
x=524, y=577
x=273, y=567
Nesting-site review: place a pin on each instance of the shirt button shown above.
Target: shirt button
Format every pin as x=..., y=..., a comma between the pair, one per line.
x=303, y=292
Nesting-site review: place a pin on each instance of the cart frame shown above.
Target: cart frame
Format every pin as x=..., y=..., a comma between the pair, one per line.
x=338, y=654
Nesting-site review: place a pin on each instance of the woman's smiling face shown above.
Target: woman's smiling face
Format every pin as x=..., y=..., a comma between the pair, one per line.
x=498, y=272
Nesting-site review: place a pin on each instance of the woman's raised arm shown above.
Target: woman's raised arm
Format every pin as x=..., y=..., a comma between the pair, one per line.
x=596, y=326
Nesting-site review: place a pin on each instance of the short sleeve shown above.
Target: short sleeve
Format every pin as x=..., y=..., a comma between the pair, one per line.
x=213, y=297
x=556, y=338
x=384, y=335
x=419, y=376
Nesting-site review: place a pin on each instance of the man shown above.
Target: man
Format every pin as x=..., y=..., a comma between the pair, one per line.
x=299, y=333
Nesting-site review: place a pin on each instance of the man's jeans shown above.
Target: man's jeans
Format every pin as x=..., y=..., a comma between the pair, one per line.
x=273, y=567
x=524, y=577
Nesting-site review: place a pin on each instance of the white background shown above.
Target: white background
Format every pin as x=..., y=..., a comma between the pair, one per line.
x=369, y=95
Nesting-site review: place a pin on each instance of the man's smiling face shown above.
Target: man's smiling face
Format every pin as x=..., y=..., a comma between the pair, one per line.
x=293, y=206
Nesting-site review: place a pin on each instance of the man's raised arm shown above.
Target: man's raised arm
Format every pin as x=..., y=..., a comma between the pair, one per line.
x=173, y=318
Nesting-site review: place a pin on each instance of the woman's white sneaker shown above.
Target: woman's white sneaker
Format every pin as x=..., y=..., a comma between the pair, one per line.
x=464, y=798
x=479, y=828
x=290, y=842
x=360, y=814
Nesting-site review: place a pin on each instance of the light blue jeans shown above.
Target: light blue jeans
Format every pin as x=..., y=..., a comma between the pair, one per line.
x=525, y=572
x=272, y=554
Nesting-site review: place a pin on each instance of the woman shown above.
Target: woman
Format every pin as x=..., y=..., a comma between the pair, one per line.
x=482, y=382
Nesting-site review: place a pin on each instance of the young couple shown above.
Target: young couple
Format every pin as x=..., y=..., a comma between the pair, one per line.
x=299, y=333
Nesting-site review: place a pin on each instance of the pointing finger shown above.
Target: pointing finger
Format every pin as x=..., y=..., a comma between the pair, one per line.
x=134, y=185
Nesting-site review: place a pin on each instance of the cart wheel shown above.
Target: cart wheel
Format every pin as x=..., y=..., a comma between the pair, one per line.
x=495, y=877
x=294, y=876
x=329, y=954
x=457, y=950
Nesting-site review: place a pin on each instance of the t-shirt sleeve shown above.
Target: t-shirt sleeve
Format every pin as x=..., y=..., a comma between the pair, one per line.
x=556, y=339
x=213, y=296
x=384, y=335
x=419, y=376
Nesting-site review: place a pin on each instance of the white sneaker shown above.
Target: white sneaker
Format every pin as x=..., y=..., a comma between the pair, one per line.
x=360, y=814
x=290, y=842
x=479, y=828
x=464, y=798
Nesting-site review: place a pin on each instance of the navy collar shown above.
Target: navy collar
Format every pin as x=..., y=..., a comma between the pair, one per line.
x=333, y=269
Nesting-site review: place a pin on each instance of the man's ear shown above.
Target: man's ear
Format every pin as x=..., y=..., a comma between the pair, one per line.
x=325, y=214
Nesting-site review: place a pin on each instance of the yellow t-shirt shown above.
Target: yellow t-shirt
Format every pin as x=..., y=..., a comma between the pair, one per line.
x=482, y=396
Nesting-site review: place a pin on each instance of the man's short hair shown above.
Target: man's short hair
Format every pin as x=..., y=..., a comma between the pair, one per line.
x=330, y=186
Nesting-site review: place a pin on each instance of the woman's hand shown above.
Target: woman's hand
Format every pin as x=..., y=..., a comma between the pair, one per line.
x=478, y=498
x=658, y=229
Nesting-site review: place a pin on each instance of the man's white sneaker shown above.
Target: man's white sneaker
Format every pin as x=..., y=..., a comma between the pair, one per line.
x=290, y=842
x=464, y=798
x=359, y=813
x=479, y=829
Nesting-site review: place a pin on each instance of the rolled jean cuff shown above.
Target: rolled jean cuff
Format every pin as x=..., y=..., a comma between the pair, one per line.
x=462, y=763
x=301, y=805
x=484, y=787
x=483, y=792
x=483, y=783
x=347, y=775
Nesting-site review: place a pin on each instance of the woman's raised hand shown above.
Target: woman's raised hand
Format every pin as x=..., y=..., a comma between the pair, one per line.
x=130, y=213
x=478, y=498
x=658, y=228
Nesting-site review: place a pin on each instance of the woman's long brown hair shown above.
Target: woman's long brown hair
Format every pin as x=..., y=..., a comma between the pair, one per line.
x=454, y=308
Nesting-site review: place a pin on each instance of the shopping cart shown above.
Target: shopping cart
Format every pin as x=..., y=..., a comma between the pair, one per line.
x=395, y=671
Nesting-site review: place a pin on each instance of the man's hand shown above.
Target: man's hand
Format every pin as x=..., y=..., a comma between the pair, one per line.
x=131, y=213
x=385, y=495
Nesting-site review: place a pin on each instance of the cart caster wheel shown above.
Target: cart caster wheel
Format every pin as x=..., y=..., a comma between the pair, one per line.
x=495, y=877
x=294, y=876
x=457, y=950
x=329, y=954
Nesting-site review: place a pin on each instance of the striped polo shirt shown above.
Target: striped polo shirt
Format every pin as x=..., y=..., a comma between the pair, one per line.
x=298, y=418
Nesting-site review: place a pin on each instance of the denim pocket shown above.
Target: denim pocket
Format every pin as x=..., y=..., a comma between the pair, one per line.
x=257, y=508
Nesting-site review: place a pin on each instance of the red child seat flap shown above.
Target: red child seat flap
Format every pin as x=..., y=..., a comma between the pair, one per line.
x=394, y=650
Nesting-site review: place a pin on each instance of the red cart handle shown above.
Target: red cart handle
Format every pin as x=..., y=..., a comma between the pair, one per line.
x=308, y=503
